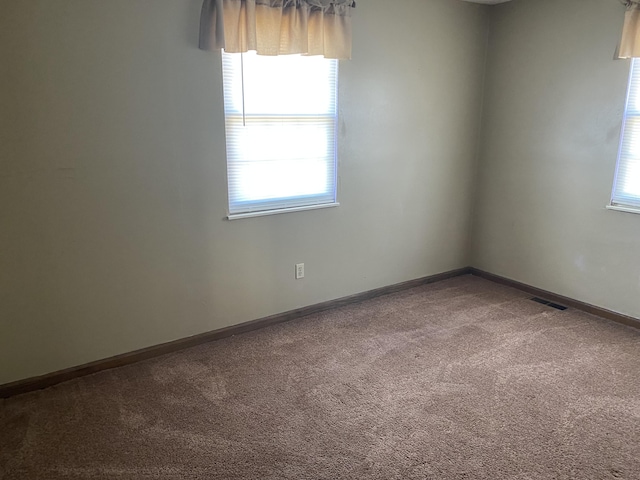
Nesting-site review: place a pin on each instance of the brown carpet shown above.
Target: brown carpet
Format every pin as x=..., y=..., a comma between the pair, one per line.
x=463, y=379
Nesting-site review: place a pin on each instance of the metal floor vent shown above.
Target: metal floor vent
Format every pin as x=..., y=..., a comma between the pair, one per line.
x=548, y=303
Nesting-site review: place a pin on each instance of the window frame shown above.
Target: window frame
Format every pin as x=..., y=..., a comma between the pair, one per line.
x=327, y=120
x=615, y=203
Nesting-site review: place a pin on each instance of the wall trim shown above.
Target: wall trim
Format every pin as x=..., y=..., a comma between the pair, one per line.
x=54, y=378
x=555, y=298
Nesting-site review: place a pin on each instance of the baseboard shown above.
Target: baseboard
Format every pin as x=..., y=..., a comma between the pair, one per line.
x=50, y=379
x=54, y=378
x=554, y=297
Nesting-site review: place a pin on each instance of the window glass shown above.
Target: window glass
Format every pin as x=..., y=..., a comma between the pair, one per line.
x=626, y=189
x=280, y=116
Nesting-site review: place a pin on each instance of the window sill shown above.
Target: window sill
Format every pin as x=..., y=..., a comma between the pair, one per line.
x=619, y=208
x=238, y=216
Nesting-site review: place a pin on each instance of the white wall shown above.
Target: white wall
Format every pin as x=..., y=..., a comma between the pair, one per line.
x=113, y=178
x=553, y=106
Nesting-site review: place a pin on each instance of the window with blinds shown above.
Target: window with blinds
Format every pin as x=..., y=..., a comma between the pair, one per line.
x=626, y=188
x=280, y=117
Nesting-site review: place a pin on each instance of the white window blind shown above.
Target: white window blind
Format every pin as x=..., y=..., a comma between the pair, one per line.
x=626, y=188
x=281, y=115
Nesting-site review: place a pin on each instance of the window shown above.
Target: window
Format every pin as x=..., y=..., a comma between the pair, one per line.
x=626, y=188
x=280, y=117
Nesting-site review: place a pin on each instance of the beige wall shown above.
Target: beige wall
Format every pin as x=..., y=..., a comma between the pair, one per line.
x=113, y=179
x=553, y=105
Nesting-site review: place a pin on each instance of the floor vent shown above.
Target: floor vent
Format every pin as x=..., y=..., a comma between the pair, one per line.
x=548, y=303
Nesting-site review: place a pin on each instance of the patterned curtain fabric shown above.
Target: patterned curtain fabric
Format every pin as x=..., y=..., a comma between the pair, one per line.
x=630, y=42
x=278, y=27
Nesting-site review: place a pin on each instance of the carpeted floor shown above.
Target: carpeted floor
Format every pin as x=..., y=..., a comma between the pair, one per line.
x=463, y=379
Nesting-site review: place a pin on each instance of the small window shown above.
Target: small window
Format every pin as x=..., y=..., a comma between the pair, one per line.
x=626, y=188
x=280, y=116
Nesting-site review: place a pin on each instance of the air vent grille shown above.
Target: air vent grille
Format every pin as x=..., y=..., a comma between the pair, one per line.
x=557, y=306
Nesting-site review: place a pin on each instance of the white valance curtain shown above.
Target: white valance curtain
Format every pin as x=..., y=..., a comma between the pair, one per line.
x=278, y=27
x=630, y=42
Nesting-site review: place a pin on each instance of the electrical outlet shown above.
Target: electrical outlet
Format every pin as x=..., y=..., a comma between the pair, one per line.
x=299, y=271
